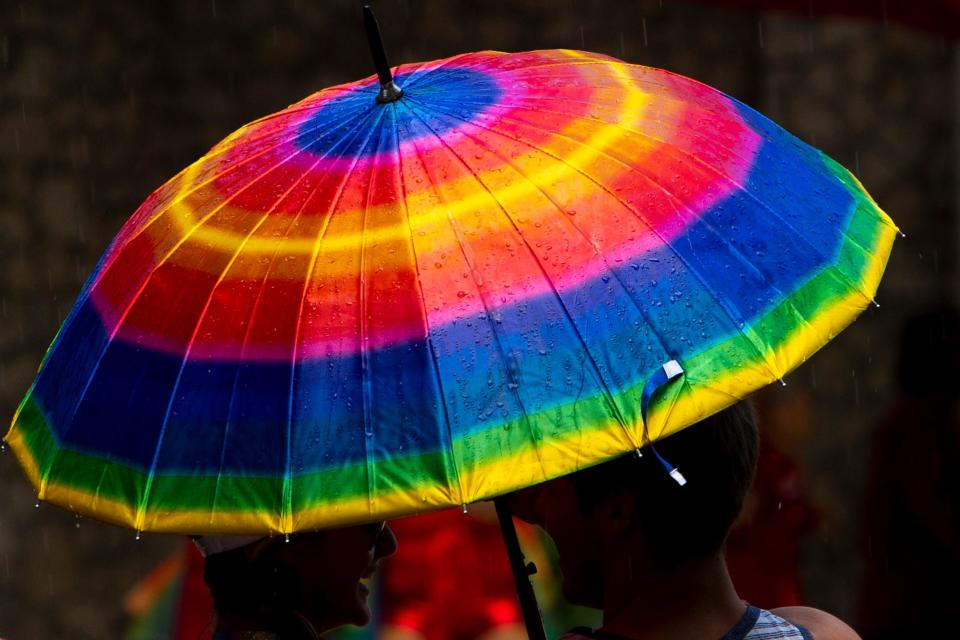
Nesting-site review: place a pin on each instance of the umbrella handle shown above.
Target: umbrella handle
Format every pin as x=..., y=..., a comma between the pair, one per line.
x=521, y=571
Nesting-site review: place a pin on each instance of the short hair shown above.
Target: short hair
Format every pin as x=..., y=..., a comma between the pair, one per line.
x=718, y=458
x=263, y=589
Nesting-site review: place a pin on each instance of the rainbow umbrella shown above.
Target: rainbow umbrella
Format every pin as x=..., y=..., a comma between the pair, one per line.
x=432, y=288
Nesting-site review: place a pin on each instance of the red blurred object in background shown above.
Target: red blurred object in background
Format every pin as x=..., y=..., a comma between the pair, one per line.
x=450, y=579
x=763, y=549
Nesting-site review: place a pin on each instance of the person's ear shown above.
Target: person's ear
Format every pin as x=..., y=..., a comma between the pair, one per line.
x=616, y=513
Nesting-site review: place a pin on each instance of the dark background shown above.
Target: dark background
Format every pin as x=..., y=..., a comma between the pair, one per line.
x=101, y=102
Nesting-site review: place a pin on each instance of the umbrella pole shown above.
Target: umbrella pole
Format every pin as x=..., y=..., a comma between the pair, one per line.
x=521, y=572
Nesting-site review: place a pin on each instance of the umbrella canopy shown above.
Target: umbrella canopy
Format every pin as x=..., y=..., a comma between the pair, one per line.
x=352, y=310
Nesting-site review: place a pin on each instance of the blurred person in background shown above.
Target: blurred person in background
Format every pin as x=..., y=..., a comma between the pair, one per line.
x=911, y=524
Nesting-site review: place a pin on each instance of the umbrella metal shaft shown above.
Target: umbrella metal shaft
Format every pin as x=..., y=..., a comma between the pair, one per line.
x=521, y=574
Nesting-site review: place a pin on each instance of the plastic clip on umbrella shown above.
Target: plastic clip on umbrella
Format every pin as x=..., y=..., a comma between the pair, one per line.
x=383, y=301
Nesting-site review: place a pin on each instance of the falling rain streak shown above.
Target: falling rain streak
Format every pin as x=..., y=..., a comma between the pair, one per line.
x=856, y=387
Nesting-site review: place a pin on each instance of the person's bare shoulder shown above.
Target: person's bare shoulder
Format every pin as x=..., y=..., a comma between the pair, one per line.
x=820, y=624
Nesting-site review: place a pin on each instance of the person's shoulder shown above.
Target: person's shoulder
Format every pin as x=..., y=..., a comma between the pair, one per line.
x=822, y=625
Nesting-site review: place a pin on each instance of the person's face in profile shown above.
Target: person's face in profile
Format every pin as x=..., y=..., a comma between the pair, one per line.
x=330, y=571
x=553, y=506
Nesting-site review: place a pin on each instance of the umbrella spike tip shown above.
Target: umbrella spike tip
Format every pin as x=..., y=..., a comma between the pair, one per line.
x=389, y=91
x=464, y=506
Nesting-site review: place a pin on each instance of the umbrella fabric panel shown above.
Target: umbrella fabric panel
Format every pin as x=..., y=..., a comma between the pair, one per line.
x=347, y=311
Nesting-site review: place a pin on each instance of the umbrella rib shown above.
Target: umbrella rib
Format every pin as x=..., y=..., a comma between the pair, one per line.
x=831, y=264
x=129, y=306
x=256, y=306
x=311, y=101
x=196, y=187
x=608, y=395
x=693, y=158
x=240, y=361
x=365, y=379
x=737, y=253
x=435, y=365
x=144, y=504
x=487, y=311
x=577, y=227
x=721, y=302
x=246, y=339
x=313, y=261
x=420, y=73
x=235, y=139
x=667, y=353
x=417, y=75
x=199, y=223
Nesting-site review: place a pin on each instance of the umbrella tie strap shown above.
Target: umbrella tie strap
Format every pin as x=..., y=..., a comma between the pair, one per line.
x=672, y=470
x=669, y=371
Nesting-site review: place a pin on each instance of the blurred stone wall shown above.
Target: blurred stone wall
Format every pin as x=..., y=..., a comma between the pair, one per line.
x=101, y=102
x=880, y=100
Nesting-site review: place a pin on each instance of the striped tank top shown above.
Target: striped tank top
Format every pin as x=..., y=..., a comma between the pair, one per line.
x=756, y=624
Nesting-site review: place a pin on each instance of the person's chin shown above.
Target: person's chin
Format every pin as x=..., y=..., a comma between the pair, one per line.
x=362, y=614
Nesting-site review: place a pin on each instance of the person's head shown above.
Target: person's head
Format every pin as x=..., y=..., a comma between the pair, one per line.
x=630, y=515
x=298, y=588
